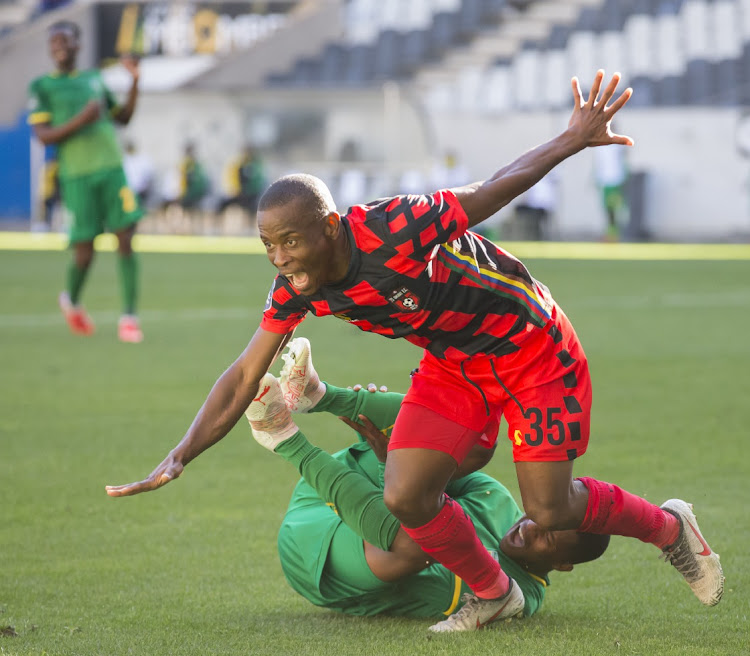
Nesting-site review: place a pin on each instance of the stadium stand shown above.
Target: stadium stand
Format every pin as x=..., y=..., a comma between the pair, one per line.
x=505, y=54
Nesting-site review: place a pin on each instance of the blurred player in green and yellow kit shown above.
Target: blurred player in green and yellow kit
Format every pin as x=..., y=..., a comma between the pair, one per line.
x=75, y=111
x=341, y=548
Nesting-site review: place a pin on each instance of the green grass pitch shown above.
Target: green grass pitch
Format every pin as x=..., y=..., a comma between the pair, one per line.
x=192, y=568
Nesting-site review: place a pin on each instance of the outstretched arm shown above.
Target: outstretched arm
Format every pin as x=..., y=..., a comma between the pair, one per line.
x=589, y=126
x=124, y=112
x=228, y=399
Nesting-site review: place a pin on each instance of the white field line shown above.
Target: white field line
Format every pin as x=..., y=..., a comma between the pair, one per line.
x=736, y=298
x=147, y=316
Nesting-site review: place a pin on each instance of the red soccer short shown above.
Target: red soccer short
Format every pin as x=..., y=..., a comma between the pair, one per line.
x=543, y=390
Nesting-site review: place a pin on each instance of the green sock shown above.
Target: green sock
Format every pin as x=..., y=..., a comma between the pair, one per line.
x=76, y=278
x=337, y=401
x=128, y=265
x=380, y=408
x=358, y=502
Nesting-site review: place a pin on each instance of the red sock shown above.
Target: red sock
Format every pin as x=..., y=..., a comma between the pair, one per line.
x=450, y=539
x=614, y=511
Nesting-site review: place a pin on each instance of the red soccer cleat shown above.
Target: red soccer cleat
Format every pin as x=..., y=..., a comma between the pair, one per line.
x=78, y=321
x=129, y=329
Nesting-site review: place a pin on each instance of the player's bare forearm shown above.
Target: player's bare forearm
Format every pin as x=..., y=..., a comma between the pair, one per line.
x=230, y=395
x=228, y=399
x=49, y=134
x=124, y=113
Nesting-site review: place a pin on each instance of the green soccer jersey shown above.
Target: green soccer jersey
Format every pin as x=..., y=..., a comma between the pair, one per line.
x=309, y=526
x=55, y=99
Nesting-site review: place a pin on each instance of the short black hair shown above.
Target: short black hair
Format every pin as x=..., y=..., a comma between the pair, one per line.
x=302, y=187
x=65, y=26
x=590, y=547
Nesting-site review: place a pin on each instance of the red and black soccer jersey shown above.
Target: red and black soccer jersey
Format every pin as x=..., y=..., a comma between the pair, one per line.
x=417, y=273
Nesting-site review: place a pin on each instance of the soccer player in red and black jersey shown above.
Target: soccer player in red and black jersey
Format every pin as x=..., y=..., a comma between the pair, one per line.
x=495, y=343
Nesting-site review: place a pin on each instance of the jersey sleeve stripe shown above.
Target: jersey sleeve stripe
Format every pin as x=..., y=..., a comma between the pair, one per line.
x=494, y=281
x=280, y=326
x=39, y=117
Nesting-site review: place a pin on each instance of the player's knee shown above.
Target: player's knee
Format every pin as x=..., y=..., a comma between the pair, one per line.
x=125, y=246
x=410, y=508
x=83, y=257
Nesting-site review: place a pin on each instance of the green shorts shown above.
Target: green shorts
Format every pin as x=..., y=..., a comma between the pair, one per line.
x=98, y=202
x=613, y=197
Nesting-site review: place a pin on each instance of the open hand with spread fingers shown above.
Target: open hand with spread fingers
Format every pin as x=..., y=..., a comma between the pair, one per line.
x=592, y=117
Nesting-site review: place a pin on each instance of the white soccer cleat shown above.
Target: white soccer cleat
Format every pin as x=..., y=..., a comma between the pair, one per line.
x=477, y=613
x=692, y=557
x=300, y=384
x=270, y=419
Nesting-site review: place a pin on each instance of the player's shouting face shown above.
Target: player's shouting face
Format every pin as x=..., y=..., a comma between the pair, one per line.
x=63, y=48
x=538, y=550
x=306, y=248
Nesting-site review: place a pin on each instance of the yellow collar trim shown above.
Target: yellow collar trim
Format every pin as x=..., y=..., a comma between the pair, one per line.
x=538, y=578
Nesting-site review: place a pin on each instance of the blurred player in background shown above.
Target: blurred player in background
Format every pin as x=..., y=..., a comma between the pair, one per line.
x=74, y=110
x=339, y=545
x=611, y=177
x=194, y=182
x=245, y=181
x=495, y=343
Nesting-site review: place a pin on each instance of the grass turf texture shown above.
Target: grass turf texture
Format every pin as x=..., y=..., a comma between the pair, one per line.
x=192, y=568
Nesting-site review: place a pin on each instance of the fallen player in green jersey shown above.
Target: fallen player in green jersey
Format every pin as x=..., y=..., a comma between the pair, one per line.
x=341, y=548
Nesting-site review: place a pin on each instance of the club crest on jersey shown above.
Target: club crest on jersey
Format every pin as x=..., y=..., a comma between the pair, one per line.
x=404, y=299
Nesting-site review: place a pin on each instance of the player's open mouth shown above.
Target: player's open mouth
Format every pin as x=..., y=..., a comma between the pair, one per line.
x=298, y=280
x=516, y=537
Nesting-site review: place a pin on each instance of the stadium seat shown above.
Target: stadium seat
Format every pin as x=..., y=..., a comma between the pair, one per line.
x=728, y=51
x=639, y=40
x=554, y=68
x=414, y=50
x=493, y=10
x=359, y=65
x=611, y=16
x=498, y=96
x=387, y=56
x=306, y=72
x=469, y=19
x=744, y=81
x=444, y=32
x=333, y=64
x=727, y=74
x=695, y=29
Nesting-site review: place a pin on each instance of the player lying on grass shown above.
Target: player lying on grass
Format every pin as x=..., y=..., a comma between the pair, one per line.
x=339, y=545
